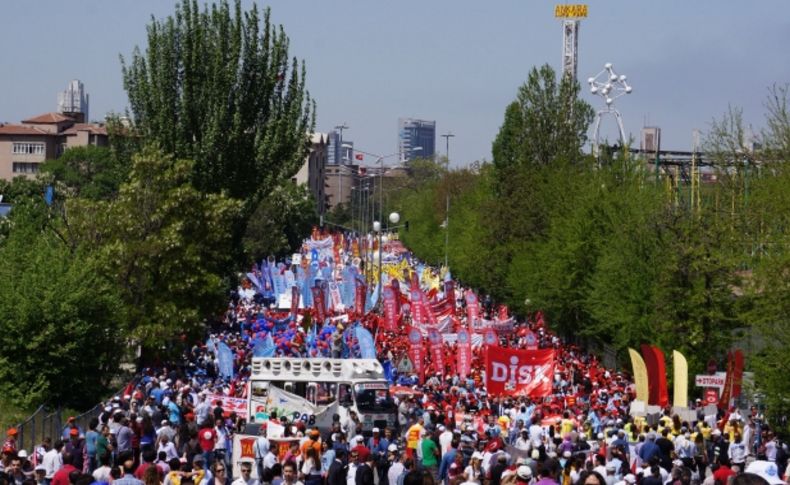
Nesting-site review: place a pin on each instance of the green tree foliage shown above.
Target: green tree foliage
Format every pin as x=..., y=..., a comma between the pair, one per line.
x=92, y=172
x=60, y=318
x=217, y=86
x=165, y=244
x=280, y=223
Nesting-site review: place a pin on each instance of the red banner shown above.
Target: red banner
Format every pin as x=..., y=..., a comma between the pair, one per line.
x=503, y=313
x=656, y=375
x=472, y=308
x=417, y=310
x=319, y=305
x=427, y=310
x=294, y=301
x=531, y=340
x=519, y=372
x=737, y=373
x=360, y=295
x=449, y=293
x=726, y=392
x=437, y=351
x=464, y=353
x=390, y=309
x=490, y=337
x=416, y=352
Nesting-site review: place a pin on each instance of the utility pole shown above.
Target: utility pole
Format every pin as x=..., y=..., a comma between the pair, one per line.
x=447, y=137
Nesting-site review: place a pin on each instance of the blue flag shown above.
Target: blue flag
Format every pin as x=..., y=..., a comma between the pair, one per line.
x=225, y=356
x=264, y=347
x=367, y=349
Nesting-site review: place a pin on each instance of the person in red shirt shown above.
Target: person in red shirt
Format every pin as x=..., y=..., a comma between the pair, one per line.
x=723, y=473
x=148, y=461
x=207, y=436
x=61, y=477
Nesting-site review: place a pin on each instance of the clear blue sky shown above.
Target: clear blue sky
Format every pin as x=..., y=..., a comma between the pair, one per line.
x=458, y=62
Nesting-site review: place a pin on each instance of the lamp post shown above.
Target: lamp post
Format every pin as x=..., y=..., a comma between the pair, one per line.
x=394, y=218
x=447, y=137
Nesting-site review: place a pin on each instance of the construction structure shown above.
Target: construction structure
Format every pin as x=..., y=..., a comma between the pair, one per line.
x=570, y=15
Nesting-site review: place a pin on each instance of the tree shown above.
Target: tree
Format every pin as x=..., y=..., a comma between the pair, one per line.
x=216, y=86
x=89, y=171
x=279, y=224
x=165, y=244
x=546, y=122
x=60, y=319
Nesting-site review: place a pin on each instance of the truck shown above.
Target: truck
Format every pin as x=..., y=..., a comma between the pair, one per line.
x=314, y=390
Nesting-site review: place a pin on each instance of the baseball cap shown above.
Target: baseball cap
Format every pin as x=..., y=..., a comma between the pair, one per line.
x=393, y=448
x=74, y=432
x=524, y=472
x=630, y=478
x=22, y=454
x=376, y=430
x=765, y=470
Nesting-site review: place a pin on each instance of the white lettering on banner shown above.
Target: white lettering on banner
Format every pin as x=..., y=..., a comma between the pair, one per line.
x=515, y=374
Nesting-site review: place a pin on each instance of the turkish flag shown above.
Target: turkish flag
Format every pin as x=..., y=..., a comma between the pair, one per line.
x=359, y=156
x=519, y=372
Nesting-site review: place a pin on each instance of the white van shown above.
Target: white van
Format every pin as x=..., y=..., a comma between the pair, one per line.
x=313, y=390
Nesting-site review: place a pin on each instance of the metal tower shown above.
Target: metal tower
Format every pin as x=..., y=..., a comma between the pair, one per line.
x=570, y=35
x=609, y=88
x=570, y=47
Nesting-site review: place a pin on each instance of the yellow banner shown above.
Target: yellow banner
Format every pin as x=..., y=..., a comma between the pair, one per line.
x=680, y=379
x=640, y=375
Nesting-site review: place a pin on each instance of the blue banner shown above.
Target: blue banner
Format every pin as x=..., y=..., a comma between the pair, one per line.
x=367, y=349
x=225, y=358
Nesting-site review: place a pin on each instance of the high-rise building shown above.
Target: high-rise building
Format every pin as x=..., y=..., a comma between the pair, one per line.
x=73, y=102
x=341, y=152
x=413, y=133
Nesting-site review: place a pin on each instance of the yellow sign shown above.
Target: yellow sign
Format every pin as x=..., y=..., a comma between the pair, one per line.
x=571, y=11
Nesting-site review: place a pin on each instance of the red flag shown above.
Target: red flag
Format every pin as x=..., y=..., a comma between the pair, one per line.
x=416, y=352
x=360, y=295
x=390, y=309
x=359, y=156
x=464, y=355
x=737, y=373
x=519, y=372
x=437, y=351
x=503, y=313
x=319, y=305
x=656, y=375
x=417, y=309
x=294, y=301
x=490, y=338
x=449, y=293
x=531, y=340
x=472, y=309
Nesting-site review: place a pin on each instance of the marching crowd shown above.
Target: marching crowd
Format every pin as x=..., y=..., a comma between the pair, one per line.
x=165, y=429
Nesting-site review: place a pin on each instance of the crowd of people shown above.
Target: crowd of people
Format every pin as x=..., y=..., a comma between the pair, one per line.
x=167, y=427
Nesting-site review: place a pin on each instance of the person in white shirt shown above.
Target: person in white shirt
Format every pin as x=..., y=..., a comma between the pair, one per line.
x=166, y=446
x=246, y=475
x=523, y=441
x=445, y=439
x=102, y=473
x=396, y=467
x=53, y=460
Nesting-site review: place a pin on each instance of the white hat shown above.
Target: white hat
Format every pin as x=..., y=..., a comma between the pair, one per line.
x=359, y=438
x=393, y=448
x=630, y=478
x=524, y=472
x=766, y=470
x=376, y=430
x=22, y=454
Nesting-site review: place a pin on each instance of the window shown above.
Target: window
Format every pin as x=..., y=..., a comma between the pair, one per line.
x=29, y=148
x=25, y=167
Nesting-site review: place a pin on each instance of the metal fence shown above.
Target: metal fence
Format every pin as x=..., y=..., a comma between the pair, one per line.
x=50, y=423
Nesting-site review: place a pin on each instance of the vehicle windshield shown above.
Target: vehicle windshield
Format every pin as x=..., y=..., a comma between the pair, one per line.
x=373, y=397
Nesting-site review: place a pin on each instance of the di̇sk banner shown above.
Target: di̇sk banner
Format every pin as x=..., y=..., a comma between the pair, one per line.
x=519, y=372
